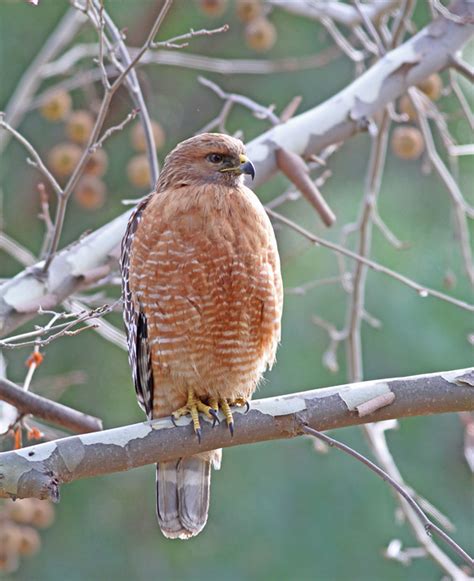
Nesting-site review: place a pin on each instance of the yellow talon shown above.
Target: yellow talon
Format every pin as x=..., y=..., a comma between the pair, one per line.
x=225, y=407
x=193, y=407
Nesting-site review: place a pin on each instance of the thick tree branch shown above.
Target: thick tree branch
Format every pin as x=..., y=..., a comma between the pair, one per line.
x=30, y=403
x=37, y=471
x=333, y=121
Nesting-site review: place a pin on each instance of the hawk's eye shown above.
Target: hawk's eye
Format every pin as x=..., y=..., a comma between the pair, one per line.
x=215, y=157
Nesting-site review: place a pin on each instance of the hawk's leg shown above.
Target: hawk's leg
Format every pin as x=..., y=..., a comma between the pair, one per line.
x=225, y=405
x=193, y=406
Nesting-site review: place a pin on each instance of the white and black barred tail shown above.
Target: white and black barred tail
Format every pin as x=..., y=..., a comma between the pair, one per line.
x=182, y=494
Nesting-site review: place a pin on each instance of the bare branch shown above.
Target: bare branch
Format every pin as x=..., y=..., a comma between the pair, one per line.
x=37, y=161
x=429, y=526
x=462, y=67
x=421, y=290
x=30, y=403
x=171, y=42
x=39, y=470
x=461, y=209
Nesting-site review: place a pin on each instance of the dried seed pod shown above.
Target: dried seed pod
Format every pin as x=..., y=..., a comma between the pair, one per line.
x=57, y=107
x=407, y=142
x=97, y=163
x=79, y=126
x=138, y=171
x=21, y=511
x=432, y=86
x=90, y=192
x=260, y=34
x=63, y=158
x=138, y=136
x=248, y=10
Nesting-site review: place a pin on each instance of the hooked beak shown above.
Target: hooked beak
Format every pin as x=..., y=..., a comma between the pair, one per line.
x=245, y=167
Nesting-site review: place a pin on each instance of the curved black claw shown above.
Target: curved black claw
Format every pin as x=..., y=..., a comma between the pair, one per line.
x=173, y=421
x=213, y=413
x=230, y=425
x=198, y=433
x=247, y=407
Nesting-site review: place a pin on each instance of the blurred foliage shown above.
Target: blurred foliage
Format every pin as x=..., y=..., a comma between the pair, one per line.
x=278, y=510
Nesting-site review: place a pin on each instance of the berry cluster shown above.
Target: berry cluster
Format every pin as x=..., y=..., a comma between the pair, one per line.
x=90, y=192
x=407, y=141
x=259, y=33
x=19, y=537
x=138, y=168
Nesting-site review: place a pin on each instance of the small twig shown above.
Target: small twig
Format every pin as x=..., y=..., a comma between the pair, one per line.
x=356, y=305
x=461, y=208
x=111, y=130
x=342, y=42
x=16, y=250
x=259, y=111
x=465, y=106
x=60, y=329
x=429, y=526
x=171, y=42
x=446, y=13
x=462, y=67
x=45, y=216
x=401, y=22
x=370, y=27
x=386, y=232
x=37, y=161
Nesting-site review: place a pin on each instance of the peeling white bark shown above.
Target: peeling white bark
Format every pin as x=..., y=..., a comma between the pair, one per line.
x=38, y=471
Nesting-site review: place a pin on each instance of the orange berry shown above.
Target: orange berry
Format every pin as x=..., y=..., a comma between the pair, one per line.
x=432, y=86
x=138, y=136
x=79, y=126
x=63, y=158
x=138, y=171
x=97, y=163
x=90, y=192
x=212, y=7
x=29, y=541
x=248, y=10
x=407, y=142
x=260, y=34
x=35, y=358
x=407, y=108
x=57, y=107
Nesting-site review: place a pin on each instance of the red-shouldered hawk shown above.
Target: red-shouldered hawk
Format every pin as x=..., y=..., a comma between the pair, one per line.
x=203, y=300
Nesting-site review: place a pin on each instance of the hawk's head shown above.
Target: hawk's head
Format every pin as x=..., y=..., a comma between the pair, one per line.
x=207, y=158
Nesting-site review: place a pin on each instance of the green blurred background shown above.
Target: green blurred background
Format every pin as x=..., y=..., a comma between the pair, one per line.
x=279, y=510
